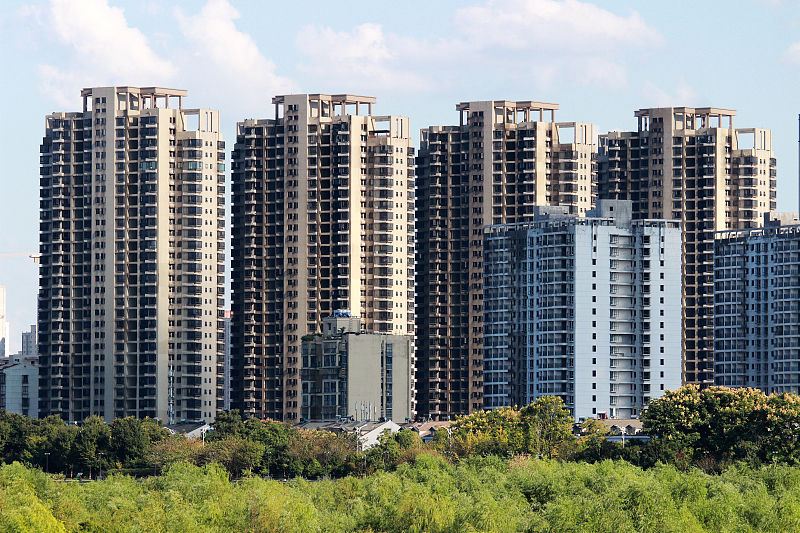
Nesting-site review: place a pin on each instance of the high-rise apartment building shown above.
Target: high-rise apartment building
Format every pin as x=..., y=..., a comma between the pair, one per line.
x=692, y=165
x=757, y=306
x=584, y=308
x=131, y=279
x=350, y=373
x=323, y=220
x=4, y=329
x=226, y=367
x=30, y=341
x=503, y=159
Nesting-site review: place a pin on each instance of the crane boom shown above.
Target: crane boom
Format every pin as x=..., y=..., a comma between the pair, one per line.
x=35, y=257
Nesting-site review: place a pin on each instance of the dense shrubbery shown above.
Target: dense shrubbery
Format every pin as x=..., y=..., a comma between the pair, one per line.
x=716, y=426
x=426, y=494
x=50, y=444
x=709, y=429
x=507, y=470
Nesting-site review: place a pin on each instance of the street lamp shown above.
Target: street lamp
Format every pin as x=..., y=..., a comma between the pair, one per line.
x=47, y=462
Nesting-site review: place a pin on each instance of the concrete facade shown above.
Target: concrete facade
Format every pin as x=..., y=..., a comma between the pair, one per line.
x=692, y=165
x=19, y=385
x=349, y=373
x=584, y=308
x=503, y=159
x=4, y=327
x=30, y=341
x=132, y=270
x=323, y=214
x=226, y=370
x=757, y=306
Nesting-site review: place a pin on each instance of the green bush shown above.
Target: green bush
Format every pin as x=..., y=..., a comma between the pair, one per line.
x=486, y=494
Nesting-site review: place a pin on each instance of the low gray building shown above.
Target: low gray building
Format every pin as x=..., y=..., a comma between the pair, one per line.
x=19, y=385
x=349, y=373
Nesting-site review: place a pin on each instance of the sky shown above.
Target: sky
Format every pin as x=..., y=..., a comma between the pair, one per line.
x=600, y=61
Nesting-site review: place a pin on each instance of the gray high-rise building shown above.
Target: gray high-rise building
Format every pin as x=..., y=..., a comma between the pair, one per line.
x=757, y=306
x=584, y=308
x=29, y=342
x=4, y=328
x=132, y=272
x=501, y=160
x=691, y=164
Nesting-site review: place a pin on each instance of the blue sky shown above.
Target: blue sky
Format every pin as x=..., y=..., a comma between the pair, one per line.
x=599, y=60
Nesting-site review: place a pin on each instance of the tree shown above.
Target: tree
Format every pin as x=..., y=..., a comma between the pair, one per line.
x=92, y=445
x=14, y=429
x=543, y=428
x=718, y=424
x=227, y=424
x=236, y=455
x=547, y=426
x=174, y=449
x=131, y=439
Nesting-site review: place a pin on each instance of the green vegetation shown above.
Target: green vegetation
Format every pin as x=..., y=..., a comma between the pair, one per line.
x=716, y=426
x=710, y=429
x=426, y=494
x=719, y=460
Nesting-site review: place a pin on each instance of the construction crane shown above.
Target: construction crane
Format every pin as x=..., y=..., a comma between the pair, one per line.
x=35, y=257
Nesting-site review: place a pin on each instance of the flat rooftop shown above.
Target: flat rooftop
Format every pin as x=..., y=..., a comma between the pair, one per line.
x=155, y=91
x=335, y=98
x=519, y=104
x=710, y=111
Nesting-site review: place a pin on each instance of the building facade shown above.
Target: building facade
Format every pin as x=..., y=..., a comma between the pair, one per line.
x=323, y=219
x=692, y=165
x=4, y=327
x=503, y=159
x=349, y=373
x=132, y=271
x=30, y=341
x=226, y=370
x=19, y=385
x=584, y=308
x=757, y=306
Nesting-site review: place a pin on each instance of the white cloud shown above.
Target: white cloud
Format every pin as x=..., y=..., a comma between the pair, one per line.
x=792, y=54
x=552, y=25
x=682, y=95
x=228, y=59
x=97, y=46
x=105, y=50
x=357, y=61
x=58, y=85
x=539, y=42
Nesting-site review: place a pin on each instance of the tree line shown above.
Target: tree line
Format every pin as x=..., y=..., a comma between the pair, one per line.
x=710, y=429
